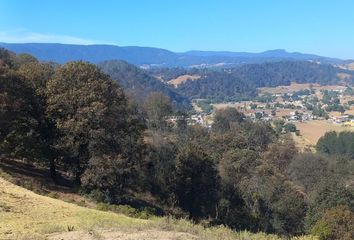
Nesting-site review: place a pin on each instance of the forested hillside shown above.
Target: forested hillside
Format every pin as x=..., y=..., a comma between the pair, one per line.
x=241, y=82
x=78, y=123
x=138, y=83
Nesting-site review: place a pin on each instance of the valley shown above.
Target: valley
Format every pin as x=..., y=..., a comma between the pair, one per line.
x=122, y=151
x=176, y=120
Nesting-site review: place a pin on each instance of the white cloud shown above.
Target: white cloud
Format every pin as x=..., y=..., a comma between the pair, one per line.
x=23, y=36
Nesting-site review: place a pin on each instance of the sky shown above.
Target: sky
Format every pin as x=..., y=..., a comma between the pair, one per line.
x=323, y=27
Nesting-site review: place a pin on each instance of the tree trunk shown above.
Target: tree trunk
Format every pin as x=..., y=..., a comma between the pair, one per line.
x=52, y=170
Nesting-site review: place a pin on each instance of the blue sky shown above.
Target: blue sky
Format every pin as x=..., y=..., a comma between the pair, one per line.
x=324, y=27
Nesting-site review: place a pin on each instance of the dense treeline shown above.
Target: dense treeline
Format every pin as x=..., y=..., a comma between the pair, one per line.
x=238, y=83
x=239, y=173
x=337, y=144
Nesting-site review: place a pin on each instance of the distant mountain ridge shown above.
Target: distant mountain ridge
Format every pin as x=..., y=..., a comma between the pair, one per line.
x=150, y=57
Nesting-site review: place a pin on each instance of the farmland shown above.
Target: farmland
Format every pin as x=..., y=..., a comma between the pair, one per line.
x=311, y=131
x=293, y=87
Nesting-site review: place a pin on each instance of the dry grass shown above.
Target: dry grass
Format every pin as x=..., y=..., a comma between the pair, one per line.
x=311, y=131
x=232, y=105
x=26, y=215
x=196, y=107
x=349, y=66
x=31, y=215
x=298, y=86
x=344, y=76
x=183, y=78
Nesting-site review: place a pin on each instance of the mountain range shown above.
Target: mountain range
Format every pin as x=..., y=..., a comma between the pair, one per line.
x=149, y=57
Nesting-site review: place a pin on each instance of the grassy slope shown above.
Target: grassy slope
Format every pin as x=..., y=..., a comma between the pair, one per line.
x=26, y=215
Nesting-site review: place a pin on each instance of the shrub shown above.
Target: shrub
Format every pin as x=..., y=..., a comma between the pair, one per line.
x=336, y=223
x=53, y=195
x=127, y=210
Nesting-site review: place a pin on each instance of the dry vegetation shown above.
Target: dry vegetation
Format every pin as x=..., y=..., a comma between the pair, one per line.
x=183, y=78
x=311, y=131
x=26, y=215
x=297, y=87
x=349, y=66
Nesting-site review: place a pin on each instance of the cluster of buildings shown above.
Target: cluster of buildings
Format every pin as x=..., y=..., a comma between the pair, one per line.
x=202, y=119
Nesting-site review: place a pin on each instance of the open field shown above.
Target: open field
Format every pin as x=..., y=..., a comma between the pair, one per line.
x=26, y=215
x=196, y=107
x=181, y=79
x=297, y=87
x=311, y=131
x=232, y=105
x=349, y=66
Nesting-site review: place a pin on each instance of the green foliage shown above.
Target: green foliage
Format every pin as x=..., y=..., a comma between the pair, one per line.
x=138, y=84
x=196, y=182
x=275, y=204
x=89, y=111
x=349, y=91
x=335, y=107
x=322, y=230
x=335, y=224
x=235, y=166
x=240, y=173
x=266, y=98
x=127, y=210
x=280, y=153
x=223, y=119
x=53, y=195
x=328, y=194
x=109, y=175
x=337, y=144
x=205, y=105
x=37, y=74
x=7, y=58
x=290, y=127
x=158, y=107
x=279, y=125
x=21, y=117
x=241, y=82
x=308, y=170
x=319, y=112
x=258, y=134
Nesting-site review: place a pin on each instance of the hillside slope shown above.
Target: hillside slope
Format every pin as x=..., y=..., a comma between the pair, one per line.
x=139, y=84
x=26, y=215
x=242, y=82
